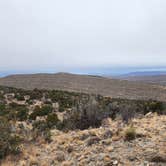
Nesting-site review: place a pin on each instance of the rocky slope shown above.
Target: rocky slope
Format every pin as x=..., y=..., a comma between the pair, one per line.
x=159, y=79
x=104, y=146
x=88, y=84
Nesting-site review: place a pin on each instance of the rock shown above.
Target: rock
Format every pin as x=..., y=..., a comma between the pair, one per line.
x=102, y=156
x=155, y=157
x=34, y=163
x=106, y=142
x=132, y=158
x=84, y=136
x=69, y=149
x=149, y=115
x=110, y=148
x=107, y=159
x=116, y=138
x=115, y=162
x=145, y=163
x=92, y=140
x=158, y=158
x=107, y=134
x=67, y=163
x=53, y=163
x=22, y=163
x=60, y=156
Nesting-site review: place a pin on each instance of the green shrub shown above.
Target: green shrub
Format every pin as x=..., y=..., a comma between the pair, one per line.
x=32, y=116
x=14, y=105
x=52, y=120
x=45, y=110
x=22, y=114
x=2, y=109
x=60, y=125
x=36, y=94
x=130, y=134
x=11, y=115
x=30, y=102
x=9, y=142
x=19, y=97
x=65, y=99
x=154, y=106
x=35, y=113
x=1, y=96
x=61, y=109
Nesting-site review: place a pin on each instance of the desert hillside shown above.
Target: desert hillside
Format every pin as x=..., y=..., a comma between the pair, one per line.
x=155, y=79
x=104, y=146
x=60, y=128
x=88, y=84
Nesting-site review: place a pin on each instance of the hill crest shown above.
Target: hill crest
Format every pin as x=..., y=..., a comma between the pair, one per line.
x=88, y=84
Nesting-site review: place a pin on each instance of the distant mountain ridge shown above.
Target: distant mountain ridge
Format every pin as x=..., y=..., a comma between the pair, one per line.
x=88, y=84
x=155, y=77
x=145, y=73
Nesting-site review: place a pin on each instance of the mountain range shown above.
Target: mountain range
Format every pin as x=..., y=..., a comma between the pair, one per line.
x=115, y=88
x=155, y=77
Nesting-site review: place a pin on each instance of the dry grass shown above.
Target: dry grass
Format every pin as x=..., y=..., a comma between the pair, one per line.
x=152, y=127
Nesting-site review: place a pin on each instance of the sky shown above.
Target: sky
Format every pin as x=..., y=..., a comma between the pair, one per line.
x=82, y=35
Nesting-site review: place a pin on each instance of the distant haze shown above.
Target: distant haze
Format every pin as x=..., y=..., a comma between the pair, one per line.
x=91, y=36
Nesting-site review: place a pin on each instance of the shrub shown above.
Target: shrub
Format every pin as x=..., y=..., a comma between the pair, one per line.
x=35, y=113
x=32, y=116
x=36, y=94
x=52, y=120
x=60, y=125
x=127, y=112
x=130, y=134
x=13, y=105
x=40, y=125
x=41, y=129
x=19, y=97
x=2, y=109
x=45, y=110
x=61, y=109
x=1, y=96
x=85, y=116
x=157, y=106
x=11, y=115
x=47, y=135
x=9, y=143
x=154, y=106
x=30, y=102
x=65, y=99
x=22, y=114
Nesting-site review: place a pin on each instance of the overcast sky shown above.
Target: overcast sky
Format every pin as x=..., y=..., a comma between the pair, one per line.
x=76, y=34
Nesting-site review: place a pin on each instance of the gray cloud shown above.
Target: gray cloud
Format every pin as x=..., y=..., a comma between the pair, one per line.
x=80, y=34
